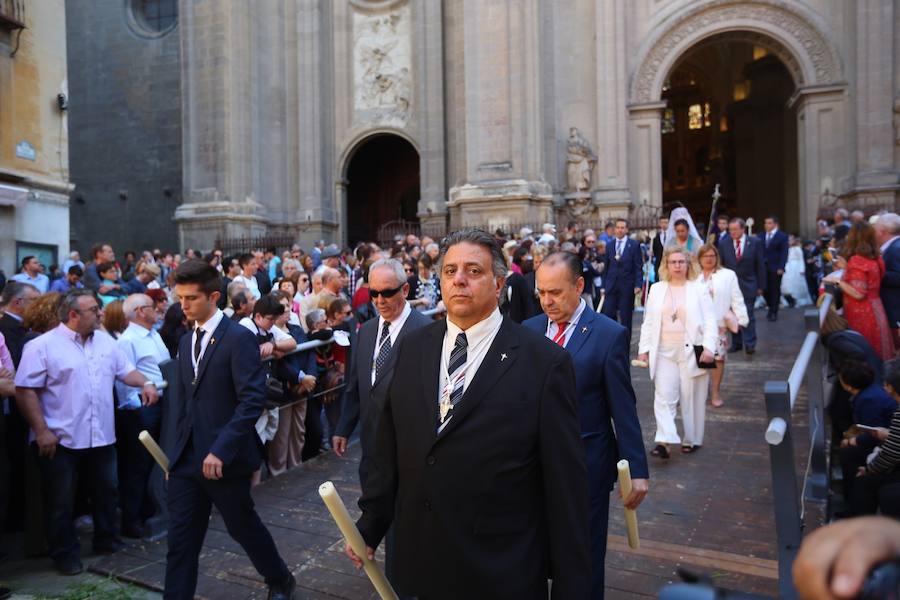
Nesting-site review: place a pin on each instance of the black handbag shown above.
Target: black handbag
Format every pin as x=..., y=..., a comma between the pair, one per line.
x=698, y=351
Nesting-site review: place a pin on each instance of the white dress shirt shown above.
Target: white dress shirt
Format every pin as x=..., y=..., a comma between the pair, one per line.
x=145, y=349
x=251, y=284
x=479, y=338
x=208, y=328
x=553, y=328
x=393, y=331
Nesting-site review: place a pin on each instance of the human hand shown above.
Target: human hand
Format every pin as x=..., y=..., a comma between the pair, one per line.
x=46, y=442
x=149, y=395
x=212, y=467
x=639, y=489
x=644, y=356
x=6, y=374
x=339, y=444
x=276, y=353
x=780, y=271
x=880, y=433
x=861, y=472
x=105, y=289
x=840, y=262
x=370, y=554
x=265, y=350
x=707, y=357
x=308, y=383
x=637, y=290
x=834, y=560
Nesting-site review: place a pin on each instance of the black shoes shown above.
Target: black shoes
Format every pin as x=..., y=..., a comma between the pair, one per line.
x=772, y=317
x=284, y=591
x=70, y=565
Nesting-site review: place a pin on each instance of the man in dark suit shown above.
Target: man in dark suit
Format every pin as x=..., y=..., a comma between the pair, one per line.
x=606, y=399
x=659, y=243
x=216, y=449
x=622, y=276
x=372, y=370
x=887, y=232
x=743, y=254
x=480, y=465
x=776, y=252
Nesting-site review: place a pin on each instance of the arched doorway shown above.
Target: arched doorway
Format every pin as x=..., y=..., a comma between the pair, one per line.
x=728, y=121
x=382, y=185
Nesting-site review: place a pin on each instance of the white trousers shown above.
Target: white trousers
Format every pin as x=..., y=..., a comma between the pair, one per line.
x=673, y=384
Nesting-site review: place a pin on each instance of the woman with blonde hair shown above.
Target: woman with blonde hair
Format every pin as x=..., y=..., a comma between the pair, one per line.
x=114, y=321
x=42, y=314
x=731, y=312
x=678, y=342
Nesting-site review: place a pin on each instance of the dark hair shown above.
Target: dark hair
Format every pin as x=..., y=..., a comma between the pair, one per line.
x=892, y=374
x=26, y=259
x=201, y=273
x=104, y=267
x=722, y=216
x=856, y=374
x=97, y=248
x=69, y=302
x=773, y=217
x=268, y=306
x=519, y=255
x=173, y=328
x=479, y=237
x=76, y=270
x=569, y=259
x=238, y=300
x=244, y=259
x=681, y=222
x=336, y=306
x=622, y=220
x=271, y=249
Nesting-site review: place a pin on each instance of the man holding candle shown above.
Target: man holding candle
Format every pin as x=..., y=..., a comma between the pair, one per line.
x=599, y=349
x=479, y=464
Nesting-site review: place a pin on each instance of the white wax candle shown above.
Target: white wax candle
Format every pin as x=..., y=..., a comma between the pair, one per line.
x=154, y=450
x=634, y=541
x=351, y=534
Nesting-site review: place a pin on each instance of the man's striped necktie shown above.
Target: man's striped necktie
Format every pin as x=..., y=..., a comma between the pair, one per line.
x=456, y=370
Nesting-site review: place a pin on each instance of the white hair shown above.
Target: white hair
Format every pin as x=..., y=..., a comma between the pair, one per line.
x=133, y=303
x=389, y=263
x=890, y=222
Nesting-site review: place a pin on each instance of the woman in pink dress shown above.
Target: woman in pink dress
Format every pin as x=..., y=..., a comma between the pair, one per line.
x=861, y=282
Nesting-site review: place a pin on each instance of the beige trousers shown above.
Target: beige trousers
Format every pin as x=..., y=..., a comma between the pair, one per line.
x=286, y=446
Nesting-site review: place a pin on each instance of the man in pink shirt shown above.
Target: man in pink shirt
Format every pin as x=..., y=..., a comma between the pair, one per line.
x=64, y=389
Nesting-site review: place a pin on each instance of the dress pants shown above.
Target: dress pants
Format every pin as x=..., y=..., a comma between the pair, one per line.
x=286, y=448
x=673, y=384
x=134, y=462
x=190, y=501
x=599, y=526
x=312, y=445
x=747, y=336
x=773, y=291
x=619, y=306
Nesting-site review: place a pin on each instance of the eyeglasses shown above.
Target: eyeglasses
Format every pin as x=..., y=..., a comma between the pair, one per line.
x=386, y=293
x=408, y=269
x=146, y=306
x=94, y=309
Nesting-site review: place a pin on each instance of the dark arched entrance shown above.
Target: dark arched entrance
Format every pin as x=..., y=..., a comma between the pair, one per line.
x=382, y=186
x=728, y=121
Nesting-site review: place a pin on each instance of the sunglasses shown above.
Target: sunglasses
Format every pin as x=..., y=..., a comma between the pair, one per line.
x=386, y=293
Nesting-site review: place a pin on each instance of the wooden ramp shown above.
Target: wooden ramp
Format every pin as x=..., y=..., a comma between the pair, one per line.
x=709, y=512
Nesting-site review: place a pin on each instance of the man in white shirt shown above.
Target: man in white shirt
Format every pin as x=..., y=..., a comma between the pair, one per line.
x=31, y=273
x=248, y=275
x=144, y=348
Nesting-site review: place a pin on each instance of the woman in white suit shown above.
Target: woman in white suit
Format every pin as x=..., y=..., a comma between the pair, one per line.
x=678, y=315
x=723, y=288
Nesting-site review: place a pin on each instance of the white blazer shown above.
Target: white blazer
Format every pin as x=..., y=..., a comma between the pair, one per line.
x=700, y=324
x=726, y=295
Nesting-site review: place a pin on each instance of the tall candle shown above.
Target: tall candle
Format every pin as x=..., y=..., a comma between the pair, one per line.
x=634, y=541
x=351, y=534
x=154, y=450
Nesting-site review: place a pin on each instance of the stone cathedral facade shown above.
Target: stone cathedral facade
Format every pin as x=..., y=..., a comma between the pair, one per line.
x=327, y=118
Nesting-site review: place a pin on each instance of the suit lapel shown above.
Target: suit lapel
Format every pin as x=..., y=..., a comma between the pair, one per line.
x=392, y=357
x=368, y=339
x=582, y=331
x=431, y=369
x=211, y=347
x=498, y=359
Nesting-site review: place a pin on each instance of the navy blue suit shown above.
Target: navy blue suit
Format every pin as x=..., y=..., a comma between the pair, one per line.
x=599, y=350
x=751, y=274
x=216, y=412
x=620, y=278
x=890, y=283
x=776, y=253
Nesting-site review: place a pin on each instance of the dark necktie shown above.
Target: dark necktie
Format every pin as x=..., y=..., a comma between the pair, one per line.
x=456, y=368
x=198, y=345
x=384, y=345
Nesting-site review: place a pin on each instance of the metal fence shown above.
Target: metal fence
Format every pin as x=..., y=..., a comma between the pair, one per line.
x=790, y=497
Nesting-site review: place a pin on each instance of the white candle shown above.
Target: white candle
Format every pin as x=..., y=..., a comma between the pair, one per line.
x=154, y=450
x=351, y=534
x=630, y=515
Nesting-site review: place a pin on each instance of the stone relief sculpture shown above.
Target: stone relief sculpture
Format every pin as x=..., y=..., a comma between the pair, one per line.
x=382, y=67
x=580, y=161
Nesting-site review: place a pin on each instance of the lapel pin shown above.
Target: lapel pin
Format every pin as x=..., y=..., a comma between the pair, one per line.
x=502, y=357
x=212, y=341
x=584, y=329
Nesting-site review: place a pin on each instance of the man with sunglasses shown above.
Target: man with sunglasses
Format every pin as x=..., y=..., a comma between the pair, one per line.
x=64, y=388
x=372, y=367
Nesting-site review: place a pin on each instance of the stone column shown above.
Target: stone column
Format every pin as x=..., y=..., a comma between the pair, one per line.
x=216, y=121
x=504, y=182
x=645, y=154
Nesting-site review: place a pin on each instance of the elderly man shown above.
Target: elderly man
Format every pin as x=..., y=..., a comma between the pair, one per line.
x=841, y=226
x=479, y=462
x=144, y=348
x=372, y=369
x=887, y=232
x=64, y=388
x=607, y=407
x=31, y=274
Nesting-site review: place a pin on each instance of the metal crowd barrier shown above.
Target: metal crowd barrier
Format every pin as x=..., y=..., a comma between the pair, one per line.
x=780, y=399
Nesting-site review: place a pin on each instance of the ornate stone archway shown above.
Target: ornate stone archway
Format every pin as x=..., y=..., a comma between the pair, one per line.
x=789, y=30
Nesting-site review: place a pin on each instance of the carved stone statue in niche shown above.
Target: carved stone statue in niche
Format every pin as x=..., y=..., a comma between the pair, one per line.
x=580, y=161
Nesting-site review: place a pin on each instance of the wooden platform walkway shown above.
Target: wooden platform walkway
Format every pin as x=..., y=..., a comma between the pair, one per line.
x=710, y=512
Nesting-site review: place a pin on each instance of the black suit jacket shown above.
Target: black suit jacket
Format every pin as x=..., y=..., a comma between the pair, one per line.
x=217, y=411
x=751, y=269
x=626, y=273
x=776, y=252
x=363, y=401
x=657, y=252
x=14, y=333
x=890, y=283
x=498, y=501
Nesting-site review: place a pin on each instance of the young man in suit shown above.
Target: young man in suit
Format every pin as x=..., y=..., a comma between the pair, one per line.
x=216, y=450
x=743, y=254
x=659, y=243
x=887, y=232
x=776, y=252
x=480, y=465
x=599, y=350
x=623, y=277
x=372, y=370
